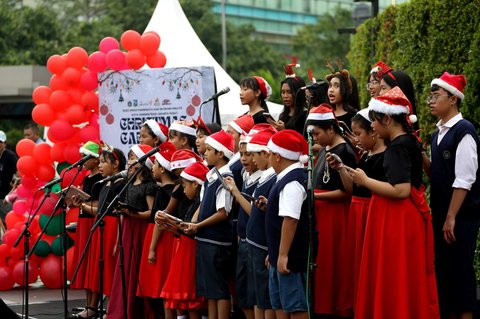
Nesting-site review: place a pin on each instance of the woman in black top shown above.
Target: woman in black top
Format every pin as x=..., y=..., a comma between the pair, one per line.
x=294, y=111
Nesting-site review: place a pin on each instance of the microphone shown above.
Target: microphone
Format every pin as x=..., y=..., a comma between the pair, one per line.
x=315, y=85
x=216, y=95
x=80, y=162
x=51, y=183
x=143, y=158
x=122, y=174
x=310, y=129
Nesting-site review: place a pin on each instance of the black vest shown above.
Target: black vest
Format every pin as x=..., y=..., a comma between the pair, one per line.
x=298, y=253
x=443, y=174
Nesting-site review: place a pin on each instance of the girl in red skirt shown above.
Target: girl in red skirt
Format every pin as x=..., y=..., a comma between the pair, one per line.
x=158, y=245
x=179, y=289
x=136, y=211
x=397, y=278
x=112, y=161
x=332, y=202
x=84, y=224
x=372, y=163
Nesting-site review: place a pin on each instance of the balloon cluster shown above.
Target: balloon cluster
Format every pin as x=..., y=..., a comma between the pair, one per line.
x=68, y=107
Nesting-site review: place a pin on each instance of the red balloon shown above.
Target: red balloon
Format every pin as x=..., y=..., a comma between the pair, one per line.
x=77, y=57
x=41, y=152
x=43, y=114
x=45, y=172
x=59, y=100
x=56, y=152
x=89, y=133
x=23, y=192
x=115, y=59
x=71, y=153
x=76, y=114
x=130, y=40
x=6, y=278
x=41, y=94
x=135, y=59
x=89, y=80
x=61, y=130
x=108, y=44
x=49, y=205
x=149, y=43
x=75, y=95
x=51, y=271
x=97, y=62
x=154, y=33
x=157, y=60
x=90, y=101
x=93, y=120
x=26, y=165
x=25, y=147
x=71, y=76
x=56, y=64
x=68, y=177
x=4, y=251
x=12, y=234
x=16, y=253
x=56, y=83
x=18, y=272
x=19, y=207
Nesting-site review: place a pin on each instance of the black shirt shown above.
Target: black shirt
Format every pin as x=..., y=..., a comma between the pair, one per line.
x=91, y=187
x=162, y=197
x=296, y=122
x=8, y=167
x=403, y=161
x=320, y=172
x=373, y=167
x=183, y=202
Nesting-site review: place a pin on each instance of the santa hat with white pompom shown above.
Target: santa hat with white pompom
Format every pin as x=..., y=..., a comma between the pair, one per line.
x=393, y=102
x=289, y=144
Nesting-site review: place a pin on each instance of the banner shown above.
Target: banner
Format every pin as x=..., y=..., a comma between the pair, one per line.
x=128, y=98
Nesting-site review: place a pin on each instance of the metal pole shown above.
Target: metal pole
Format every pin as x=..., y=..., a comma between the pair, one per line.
x=224, y=38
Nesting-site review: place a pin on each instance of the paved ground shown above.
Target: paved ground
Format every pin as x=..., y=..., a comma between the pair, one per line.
x=43, y=303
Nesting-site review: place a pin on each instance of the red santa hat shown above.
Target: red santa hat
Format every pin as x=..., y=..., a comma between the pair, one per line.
x=265, y=88
x=164, y=155
x=158, y=129
x=259, y=140
x=200, y=124
x=289, y=144
x=393, y=102
x=183, y=158
x=242, y=124
x=185, y=127
x=381, y=68
x=197, y=172
x=323, y=112
x=222, y=142
x=257, y=128
x=141, y=149
x=452, y=83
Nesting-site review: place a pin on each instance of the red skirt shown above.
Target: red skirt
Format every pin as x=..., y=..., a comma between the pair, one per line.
x=331, y=286
x=110, y=230
x=397, y=278
x=83, y=230
x=133, y=235
x=152, y=276
x=357, y=220
x=179, y=289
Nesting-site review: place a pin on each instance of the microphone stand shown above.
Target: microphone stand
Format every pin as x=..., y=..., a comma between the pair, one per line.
x=60, y=204
x=311, y=220
x=26, y=248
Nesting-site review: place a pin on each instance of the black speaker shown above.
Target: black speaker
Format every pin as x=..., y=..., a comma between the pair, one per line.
x=6, y=312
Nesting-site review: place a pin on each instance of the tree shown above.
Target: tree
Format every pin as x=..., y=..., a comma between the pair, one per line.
x=316, y=43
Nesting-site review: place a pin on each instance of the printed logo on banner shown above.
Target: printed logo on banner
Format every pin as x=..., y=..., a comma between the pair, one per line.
x=129, y=98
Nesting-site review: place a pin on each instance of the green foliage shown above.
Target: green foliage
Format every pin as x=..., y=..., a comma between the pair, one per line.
x=316, y=43
x=424, y=38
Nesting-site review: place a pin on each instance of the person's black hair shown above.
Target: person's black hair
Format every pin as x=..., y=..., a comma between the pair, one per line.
x=398, y=118
x=213, y=127
x=190, y=138
x=252, y=83
x=436, y=87
x=226, y=159
x=33, y=126
x=337, y=127
x=318, y=93
x=362, y=122
x=348, y=94
x=114, y=155
x=404, y=82
x=145, y=173
x=295, y=84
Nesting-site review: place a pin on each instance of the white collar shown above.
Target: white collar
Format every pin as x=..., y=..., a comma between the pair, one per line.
x=266, y=174
x=451, y=122
x=212, y=177
x=288, y=170
x=252, y=178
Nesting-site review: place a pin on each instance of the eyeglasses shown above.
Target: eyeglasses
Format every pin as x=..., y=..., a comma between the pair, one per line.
x=434, y=98
x=370, y=84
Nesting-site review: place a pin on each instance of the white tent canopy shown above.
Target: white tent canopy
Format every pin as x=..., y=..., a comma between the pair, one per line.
x=183, y=48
